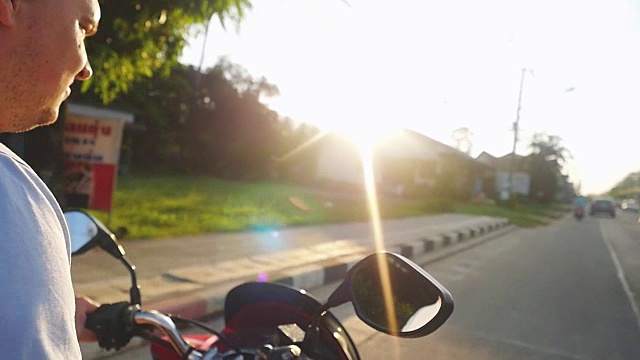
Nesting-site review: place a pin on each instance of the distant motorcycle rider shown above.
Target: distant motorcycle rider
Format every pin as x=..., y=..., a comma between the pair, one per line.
x=580, y=205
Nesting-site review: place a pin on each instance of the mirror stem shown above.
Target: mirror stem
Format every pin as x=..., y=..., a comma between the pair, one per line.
x=134, y=292
x=340, y=296
x=310, y=340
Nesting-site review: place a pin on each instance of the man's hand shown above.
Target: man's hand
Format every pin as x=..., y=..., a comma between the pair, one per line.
x=84, y=306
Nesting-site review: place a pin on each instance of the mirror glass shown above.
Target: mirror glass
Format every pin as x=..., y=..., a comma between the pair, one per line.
x=391, y=295
x=82, y=229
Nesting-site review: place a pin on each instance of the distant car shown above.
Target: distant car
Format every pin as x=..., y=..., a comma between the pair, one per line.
x=630, y=206
x=599, y=206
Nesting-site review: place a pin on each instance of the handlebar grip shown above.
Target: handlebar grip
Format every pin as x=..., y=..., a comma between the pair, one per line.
x=112, y=324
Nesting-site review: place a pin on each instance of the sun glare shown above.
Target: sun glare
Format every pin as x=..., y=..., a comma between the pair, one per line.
x=372, y=196
x=367, y=136
x=366, y=150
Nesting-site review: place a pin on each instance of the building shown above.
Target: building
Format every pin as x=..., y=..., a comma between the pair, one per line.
x=405, y=163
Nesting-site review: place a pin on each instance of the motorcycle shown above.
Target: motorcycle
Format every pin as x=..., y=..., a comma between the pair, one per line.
x=389, y=293
x=579, y=212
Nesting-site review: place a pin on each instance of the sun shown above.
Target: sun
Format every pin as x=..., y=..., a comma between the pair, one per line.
x=366, y=135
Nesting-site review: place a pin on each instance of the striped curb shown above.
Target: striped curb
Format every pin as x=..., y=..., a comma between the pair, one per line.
x=209, y=301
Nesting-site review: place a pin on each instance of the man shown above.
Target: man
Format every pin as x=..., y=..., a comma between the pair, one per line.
x=41, y=53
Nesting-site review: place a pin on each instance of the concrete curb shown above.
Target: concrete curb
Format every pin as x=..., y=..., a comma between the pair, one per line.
x=210, y=301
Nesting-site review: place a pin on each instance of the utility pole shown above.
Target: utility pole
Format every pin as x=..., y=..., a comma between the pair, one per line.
x=516, y=123
x=515, y=136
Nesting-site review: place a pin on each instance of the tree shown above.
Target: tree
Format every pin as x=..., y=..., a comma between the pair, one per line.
x=629, y=187
x=161, y=105
x=207, y=123
x=546, y=164
x=228, y=132
x=137, y=40
x=140, y=38
x=462, y=139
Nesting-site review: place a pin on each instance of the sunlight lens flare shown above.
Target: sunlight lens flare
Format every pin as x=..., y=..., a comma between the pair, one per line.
x=366, y=151
x=366, y=137
x=372, y=196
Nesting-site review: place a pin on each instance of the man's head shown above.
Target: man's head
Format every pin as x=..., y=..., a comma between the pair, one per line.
x=41, y=53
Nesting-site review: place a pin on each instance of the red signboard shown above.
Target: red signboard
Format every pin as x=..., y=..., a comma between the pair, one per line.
x=92, y=151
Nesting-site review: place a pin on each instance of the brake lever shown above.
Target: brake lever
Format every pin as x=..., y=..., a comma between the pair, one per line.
x=268, y=352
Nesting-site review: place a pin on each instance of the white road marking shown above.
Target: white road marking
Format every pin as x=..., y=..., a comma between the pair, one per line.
x=621, y=276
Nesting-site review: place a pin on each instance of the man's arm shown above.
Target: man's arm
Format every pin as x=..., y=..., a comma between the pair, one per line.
x=84, y=306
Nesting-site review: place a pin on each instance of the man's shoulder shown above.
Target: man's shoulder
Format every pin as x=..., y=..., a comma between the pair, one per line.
x=9, y=156
x=13, y=168
x=6, y=151
x=17, y=180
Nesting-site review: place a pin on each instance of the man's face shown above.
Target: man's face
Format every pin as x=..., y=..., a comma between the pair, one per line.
x=47, y=55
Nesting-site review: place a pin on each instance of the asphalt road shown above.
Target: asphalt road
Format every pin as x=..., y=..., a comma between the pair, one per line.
x=549, y=293
x=564, y=291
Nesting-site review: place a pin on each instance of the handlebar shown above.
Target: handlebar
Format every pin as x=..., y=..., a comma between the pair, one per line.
x=115, y=324
x=163, y=323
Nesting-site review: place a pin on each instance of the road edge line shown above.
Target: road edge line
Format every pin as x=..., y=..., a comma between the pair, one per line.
x=621, y=276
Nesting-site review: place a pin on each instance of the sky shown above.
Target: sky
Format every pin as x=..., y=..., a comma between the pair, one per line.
x=437, y=66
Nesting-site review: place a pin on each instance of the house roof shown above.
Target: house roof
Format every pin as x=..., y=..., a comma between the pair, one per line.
x=402, y=144
x=408, y=144
x=430, y=145
x=424, y=143
x=504, y=162
x=104, y=113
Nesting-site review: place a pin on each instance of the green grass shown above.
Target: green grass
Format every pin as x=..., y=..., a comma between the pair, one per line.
x=167, y=206
x=523, y=215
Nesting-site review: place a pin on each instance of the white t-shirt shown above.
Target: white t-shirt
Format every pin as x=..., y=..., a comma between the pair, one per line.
x=37, y=305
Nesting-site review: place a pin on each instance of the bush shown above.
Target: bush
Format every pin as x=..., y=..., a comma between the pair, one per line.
x=438, y=205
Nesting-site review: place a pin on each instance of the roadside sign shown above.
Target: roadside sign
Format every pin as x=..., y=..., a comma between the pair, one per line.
x=91, y=146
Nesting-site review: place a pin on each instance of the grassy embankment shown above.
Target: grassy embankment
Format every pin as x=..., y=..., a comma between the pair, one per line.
x=164, y=206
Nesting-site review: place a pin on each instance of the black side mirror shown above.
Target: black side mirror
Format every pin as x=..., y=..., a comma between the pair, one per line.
x=82, y=230
x=87, y=232
x=395, y=296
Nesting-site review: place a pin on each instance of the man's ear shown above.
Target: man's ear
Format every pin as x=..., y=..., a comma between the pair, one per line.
x=8, y=10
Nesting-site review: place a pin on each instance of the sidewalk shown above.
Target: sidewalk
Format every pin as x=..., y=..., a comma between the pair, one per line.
x=190, y=276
